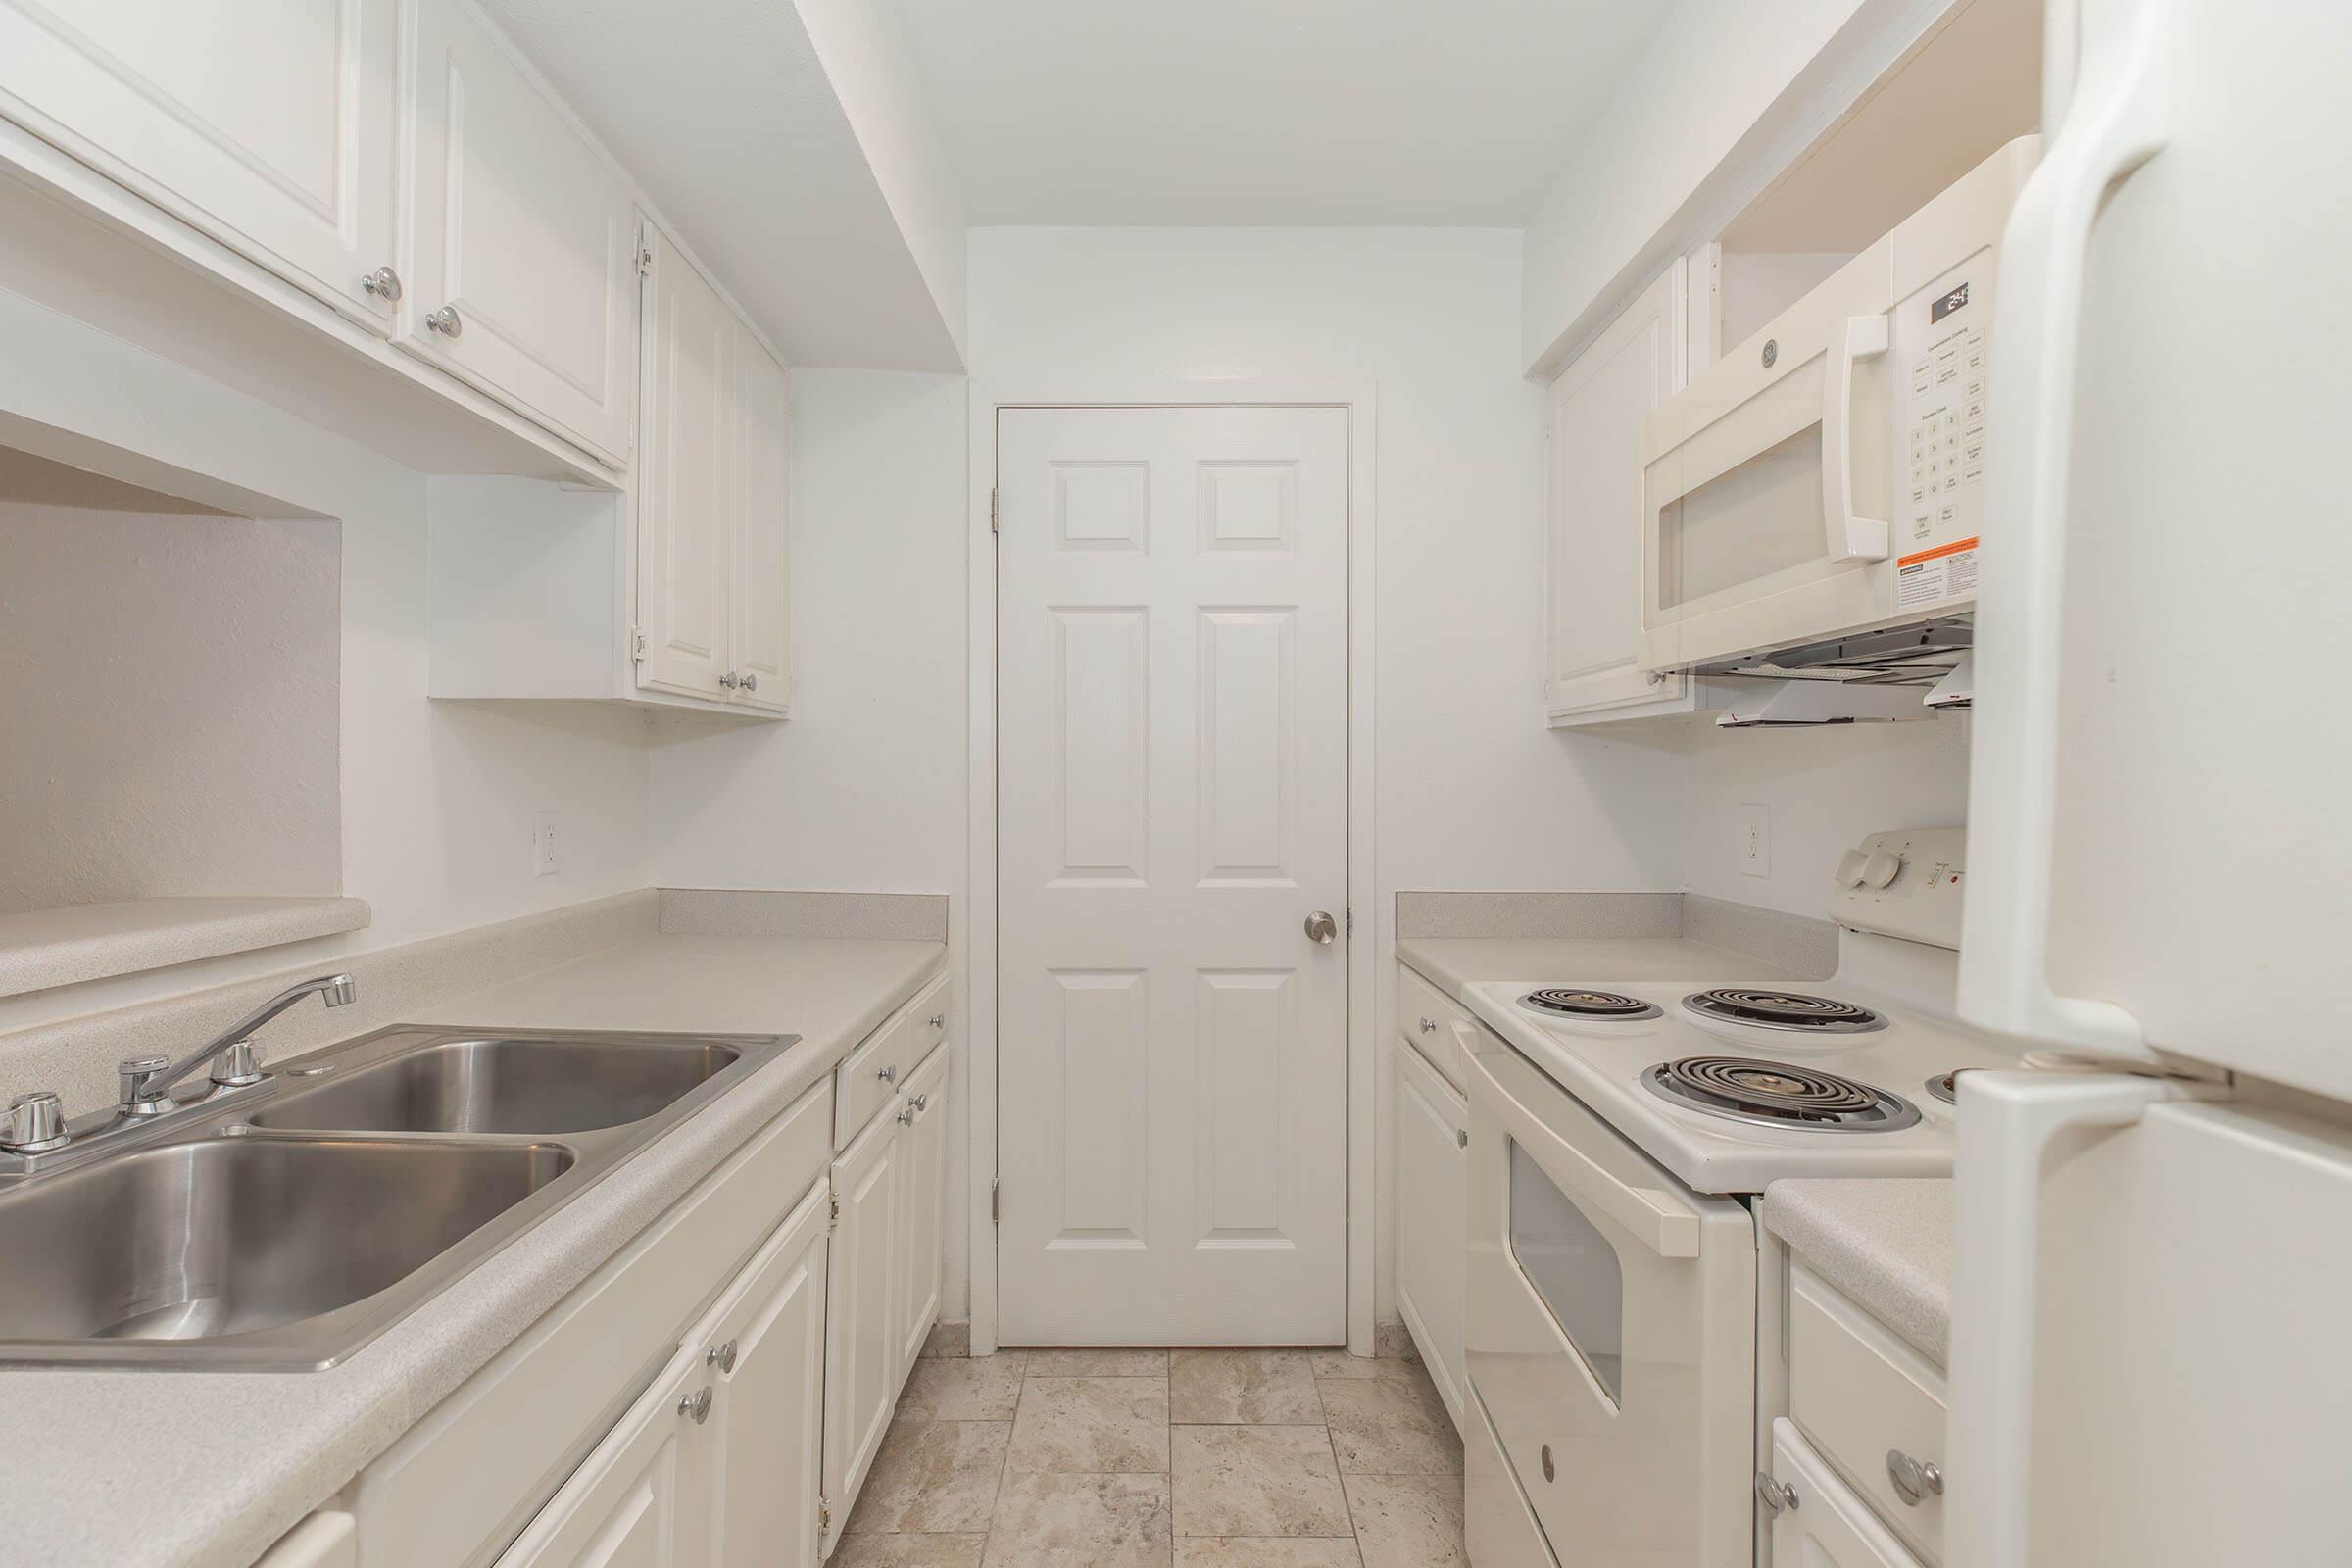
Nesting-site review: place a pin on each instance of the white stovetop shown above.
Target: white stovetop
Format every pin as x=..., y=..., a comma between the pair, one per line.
x=1600, y=1063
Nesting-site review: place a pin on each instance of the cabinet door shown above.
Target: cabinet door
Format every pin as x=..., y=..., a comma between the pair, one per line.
x=1592, y=574
x=1432, y=1124
x=525, y=242
x=922, y=1203
x=861, y=1363
x=762, y=626
x=635, y=1500
x=685, y=479
x=1828, y=1527
x=266, y=124
x=766, y=1347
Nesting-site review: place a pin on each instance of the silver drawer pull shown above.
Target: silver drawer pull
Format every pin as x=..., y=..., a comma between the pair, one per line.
x=1913, y=1479
x=889, y=1075
x=697, y=1405
x=938, y=1020
x=721, y=1357
x=1429, y=1027
x=1777, y=1495
x=447, y=321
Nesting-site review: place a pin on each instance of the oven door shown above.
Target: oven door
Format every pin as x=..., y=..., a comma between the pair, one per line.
x=1611, y=1331
x=1766, y=483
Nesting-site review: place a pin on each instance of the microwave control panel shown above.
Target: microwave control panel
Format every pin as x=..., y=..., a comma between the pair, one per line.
x=1938, y=353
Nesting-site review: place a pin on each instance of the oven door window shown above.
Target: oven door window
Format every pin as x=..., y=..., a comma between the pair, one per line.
x=1573, y=1268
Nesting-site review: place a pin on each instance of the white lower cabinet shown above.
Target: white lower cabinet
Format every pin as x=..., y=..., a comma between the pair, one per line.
x=631, y=1503
x=861, y=1341
x=1817, y=1521
x=1433, y=1123
x=920, y=1263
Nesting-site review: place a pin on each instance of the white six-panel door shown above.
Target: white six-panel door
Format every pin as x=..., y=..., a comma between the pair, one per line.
x=1172, y=787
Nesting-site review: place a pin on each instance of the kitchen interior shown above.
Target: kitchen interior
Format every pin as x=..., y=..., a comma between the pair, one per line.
x=904, y=784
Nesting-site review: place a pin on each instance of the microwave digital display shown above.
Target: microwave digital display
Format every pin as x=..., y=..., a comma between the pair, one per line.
x=1947, y=304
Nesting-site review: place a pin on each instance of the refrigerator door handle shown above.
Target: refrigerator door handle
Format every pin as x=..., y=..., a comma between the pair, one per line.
x=2015, y=1129
x=2118, y=117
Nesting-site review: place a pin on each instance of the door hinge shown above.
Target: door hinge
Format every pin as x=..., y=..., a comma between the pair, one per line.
x=995, y=1202
x=636, y=646
x=992, y=509
x=644, y=251
x=1351, y=914
x=832, y=1214
x=824, y=1514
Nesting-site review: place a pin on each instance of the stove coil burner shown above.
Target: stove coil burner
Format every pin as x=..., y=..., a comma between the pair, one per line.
x=1774, y=1093
x=1946, y=1086
x=1570, y=1002
x=1784, y=1009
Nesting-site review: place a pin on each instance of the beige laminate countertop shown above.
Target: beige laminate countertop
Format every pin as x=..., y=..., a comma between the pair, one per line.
x=1453, y=962
x=1886, y=1242
x=156, y=1469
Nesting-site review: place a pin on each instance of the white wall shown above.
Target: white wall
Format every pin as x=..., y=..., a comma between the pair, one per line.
x=437, y=798
x=171, y=709
x=1824, y=788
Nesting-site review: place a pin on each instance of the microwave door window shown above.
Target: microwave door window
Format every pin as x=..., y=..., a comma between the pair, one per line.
x=1756, y=519
x=1573, y=1268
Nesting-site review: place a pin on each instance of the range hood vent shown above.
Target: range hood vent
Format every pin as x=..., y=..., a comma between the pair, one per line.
x=1781, y=704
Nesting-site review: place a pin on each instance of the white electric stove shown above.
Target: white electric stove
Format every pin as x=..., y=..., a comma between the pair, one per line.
x=1617, y=1132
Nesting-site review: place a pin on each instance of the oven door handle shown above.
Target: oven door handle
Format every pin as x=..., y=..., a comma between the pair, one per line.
x=1666, y=1227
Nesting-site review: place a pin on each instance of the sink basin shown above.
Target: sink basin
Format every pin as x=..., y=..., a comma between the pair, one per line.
x=527, y=1086
x=226, y=1235
x=282, y=1226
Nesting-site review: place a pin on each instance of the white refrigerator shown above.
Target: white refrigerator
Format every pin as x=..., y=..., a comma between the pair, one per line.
x=2152, y=1302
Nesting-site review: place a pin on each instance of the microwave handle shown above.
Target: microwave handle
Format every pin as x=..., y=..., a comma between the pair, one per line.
x=2118, y=117
x=1846, y=537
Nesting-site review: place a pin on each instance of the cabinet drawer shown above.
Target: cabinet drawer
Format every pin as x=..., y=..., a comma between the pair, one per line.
x=1862, y=1396
x=927, y=1025
x=868, y=1080
x=1423, y=1015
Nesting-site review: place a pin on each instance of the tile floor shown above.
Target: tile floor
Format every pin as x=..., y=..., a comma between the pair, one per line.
x=1167, y=1458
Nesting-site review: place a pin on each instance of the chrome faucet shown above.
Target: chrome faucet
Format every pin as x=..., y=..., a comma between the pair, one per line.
x=147, y=1081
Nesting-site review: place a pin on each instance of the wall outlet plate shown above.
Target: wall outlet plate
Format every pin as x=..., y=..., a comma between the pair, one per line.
x=1755, y=841
x=544, y=860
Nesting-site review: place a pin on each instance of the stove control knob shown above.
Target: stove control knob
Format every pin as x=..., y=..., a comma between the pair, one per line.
x=1883, y=868
x=1849, y=869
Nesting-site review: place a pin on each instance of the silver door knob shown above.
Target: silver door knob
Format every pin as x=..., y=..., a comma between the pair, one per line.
x=1321, y=928
x=729, y=681
x=751, y=683
x=447, y=321
x=697, y=1405
x=383, y=283
x=1913, y=1479
x=35, y=1124
x=721, y=1357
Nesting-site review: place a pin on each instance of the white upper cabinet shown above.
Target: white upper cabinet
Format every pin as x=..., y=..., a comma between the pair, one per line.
x=267, y=125
x=523, y=273
x=1592, y=569
x=762, y=610
x=686, y=481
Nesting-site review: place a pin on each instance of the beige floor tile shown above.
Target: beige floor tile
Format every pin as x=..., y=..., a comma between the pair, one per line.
x=1383, y=1428
x=1339, y=1365
x=1091, y=1424
x=933, y=1476
x=1081, y=1520
x=1263, y=1387
x=1256, y=1481
x=949, y=1339
x=910, y=1552
x=966, y=1389
x=1407, y=1521
x=1112, y=1362
x=1266, y=1552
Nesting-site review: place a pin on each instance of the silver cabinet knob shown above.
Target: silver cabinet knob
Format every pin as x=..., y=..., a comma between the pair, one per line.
x=721, y=1357
x=35, y=1124
x=1322, y=928
x=751, y=682
x=1777, y=1495
x=729, y=681
x=938, y=1020
x=920, y=1103
x=1461, y=1138
x=1429, y=1027
x=447, y=321
x=1913, y=1479
x=906, y=1115
x=697, y=1405
x=889, y=1075
x=384, y=285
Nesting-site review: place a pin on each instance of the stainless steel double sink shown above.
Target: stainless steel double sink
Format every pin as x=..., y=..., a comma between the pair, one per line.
x=283, y=1226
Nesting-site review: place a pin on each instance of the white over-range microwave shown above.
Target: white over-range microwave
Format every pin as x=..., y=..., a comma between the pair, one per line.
x=1825, y=478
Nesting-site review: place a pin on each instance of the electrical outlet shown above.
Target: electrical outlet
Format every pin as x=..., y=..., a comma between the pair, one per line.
x=1755, y=843
x=543, y=844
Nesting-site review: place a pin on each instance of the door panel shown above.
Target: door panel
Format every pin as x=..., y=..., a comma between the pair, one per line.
x=923, y=1207
x=1431, y=1122
x=686, y=484
x=771, y=1343
x=624, y=1507
x=266, y=124
x=1173, y=765
x=763, y=530
x=861, y=1364
x=524, y=231
x=1828, y=1527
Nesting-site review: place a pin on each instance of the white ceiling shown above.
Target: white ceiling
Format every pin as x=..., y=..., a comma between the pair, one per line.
x=1273, y=111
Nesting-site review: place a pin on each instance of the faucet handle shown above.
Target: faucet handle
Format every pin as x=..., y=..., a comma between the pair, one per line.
x=35, y=1124
x=142, y=1090
x=238, y=1065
